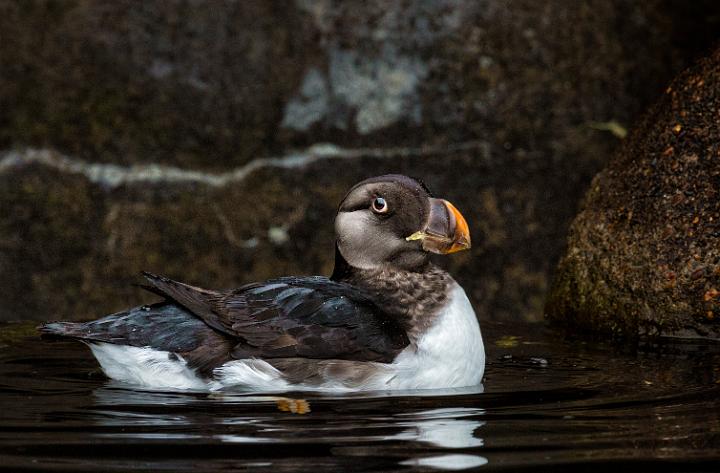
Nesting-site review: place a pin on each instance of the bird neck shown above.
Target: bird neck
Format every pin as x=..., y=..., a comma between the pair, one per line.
x=408, y=261
x=412, y=298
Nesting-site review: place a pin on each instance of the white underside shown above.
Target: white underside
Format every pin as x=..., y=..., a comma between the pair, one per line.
x=449, y=355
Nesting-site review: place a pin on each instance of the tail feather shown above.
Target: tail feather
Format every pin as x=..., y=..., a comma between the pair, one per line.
x=61, y=330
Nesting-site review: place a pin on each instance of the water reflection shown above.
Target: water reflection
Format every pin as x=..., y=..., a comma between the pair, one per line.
x=448, y=462
x=442, y=427
x=244, y=439
x=588, y=409
x=113, y=393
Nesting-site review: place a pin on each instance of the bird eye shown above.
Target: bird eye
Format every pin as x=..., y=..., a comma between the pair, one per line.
x=379, y=205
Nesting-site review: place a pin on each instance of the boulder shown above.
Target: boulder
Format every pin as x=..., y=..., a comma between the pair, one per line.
x=643, y=255
x=190, y=138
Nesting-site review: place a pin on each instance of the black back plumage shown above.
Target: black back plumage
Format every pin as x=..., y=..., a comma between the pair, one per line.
x=303, y=317
x=308, y=317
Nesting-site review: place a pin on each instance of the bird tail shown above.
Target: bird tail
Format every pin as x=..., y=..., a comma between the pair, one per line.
x=54, y=330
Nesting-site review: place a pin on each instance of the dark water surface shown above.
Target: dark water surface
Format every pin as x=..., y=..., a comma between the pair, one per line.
x=549, y=404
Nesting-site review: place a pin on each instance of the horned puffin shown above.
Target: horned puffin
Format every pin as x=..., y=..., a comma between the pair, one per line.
x=386, y=319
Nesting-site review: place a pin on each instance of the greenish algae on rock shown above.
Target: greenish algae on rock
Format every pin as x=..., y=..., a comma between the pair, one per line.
x=643, y=255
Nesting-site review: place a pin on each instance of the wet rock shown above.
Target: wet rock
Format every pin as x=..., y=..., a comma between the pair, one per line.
x=186, y=138
x=188, y=83
x=216, y=84
x=267, y=224
x=644, y=253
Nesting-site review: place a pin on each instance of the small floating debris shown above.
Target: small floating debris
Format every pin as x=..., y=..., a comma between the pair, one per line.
x=533, y=360
x=508, y=341
x=536, y=360
x=295, y=406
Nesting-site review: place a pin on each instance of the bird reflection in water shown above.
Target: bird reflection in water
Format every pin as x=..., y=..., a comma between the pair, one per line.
x=450, y=428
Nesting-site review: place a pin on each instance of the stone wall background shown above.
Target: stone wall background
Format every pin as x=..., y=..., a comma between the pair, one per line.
x=212, y=140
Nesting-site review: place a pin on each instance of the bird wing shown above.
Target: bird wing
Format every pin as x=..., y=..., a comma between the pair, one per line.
x=308, y=317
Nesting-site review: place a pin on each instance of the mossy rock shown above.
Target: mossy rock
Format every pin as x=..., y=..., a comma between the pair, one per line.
x=643, y=255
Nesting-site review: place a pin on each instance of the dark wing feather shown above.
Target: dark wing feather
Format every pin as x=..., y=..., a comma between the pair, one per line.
x=195, y=299
x=311, y=317
x=164, y=326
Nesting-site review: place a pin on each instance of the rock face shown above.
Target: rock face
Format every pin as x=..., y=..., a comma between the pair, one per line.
x=186, y=138
x=644, y=253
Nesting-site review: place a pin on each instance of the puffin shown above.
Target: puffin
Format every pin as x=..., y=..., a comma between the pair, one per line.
x=387, y=318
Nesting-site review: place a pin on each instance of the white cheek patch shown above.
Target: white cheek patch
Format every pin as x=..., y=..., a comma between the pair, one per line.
x=361, y=241
x=349, y=225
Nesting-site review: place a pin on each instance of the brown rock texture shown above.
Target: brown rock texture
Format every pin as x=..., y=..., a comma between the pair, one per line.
x=212, y=140
x=644, y=253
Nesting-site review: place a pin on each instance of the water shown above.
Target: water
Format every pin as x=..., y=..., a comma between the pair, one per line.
x=548, y=404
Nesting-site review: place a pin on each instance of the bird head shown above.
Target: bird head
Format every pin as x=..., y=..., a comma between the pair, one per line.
x=393, y=220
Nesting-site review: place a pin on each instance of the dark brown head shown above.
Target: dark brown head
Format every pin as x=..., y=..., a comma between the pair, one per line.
x=392, y=220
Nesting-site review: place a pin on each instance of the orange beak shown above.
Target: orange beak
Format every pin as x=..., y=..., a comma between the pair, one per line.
x=446, y=230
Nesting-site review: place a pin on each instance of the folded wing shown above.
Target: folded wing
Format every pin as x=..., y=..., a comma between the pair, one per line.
x=309, y=317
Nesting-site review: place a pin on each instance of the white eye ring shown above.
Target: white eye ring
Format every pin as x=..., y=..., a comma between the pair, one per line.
x=380, y=205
